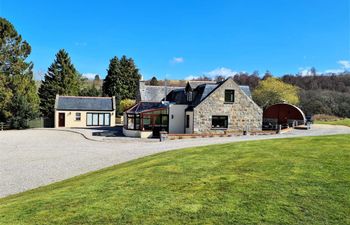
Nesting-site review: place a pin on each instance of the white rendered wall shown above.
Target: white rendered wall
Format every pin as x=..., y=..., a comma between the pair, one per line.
x=177, y=119
x=189, y=130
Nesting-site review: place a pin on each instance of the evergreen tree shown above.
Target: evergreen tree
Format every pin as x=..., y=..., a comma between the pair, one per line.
x=97, y=78
x=16, y=77
x=62, y=79
x=154, y=81
x=122, y=79
x=90, y=91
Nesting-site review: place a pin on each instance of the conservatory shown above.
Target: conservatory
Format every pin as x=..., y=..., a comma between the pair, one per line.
x=146, y=119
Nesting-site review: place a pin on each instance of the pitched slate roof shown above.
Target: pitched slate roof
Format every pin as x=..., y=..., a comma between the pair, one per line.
x=84, y=103
x=201, y=89
x=246, y=90
x=196, y=83
x=199, y=93
x=148, y=93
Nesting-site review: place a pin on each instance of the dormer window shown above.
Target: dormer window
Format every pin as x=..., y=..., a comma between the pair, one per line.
x=189, y=96
x=189, y=92
x=229, y=96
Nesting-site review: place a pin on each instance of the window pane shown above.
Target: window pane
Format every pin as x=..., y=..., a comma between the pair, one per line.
x=219, y=122
x=165, y=120
x=157, y=120
x=89, y=119
x=100, y=119
x=229, y=95
x=146, y=121
x=131, y=123
x=107, y=119
x=137, y=123
x=77, y=116
x=94, y=119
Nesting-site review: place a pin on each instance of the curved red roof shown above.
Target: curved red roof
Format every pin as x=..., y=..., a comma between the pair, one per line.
x=284, y=112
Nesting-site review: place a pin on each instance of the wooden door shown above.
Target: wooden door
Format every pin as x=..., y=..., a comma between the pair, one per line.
x=61, y=119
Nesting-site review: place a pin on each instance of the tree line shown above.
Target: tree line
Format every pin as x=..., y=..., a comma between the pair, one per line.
x=20, y=101
x=327, y=93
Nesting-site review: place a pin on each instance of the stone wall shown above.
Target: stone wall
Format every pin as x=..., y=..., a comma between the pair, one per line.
x=242, y=114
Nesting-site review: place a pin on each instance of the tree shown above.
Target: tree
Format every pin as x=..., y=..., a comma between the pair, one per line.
x=273, y=90
x=62, y=79
x=267, y=75
x=313, y=71
x=126, y=104
x=90, y=91
x=122, y=79
x=16, y=77
x=245, y=79
x=22, y=112
x=202, y=78
x=154, y=81
x=219, y=78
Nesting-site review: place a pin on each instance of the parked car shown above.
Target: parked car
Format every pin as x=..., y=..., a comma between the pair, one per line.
x=309, y=119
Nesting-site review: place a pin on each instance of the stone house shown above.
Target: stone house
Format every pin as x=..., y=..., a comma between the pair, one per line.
x=200, y=107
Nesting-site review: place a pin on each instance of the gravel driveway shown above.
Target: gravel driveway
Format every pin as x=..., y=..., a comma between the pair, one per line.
x=32, y=158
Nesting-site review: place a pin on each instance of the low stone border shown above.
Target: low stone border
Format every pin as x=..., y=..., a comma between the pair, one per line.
x=235, y=134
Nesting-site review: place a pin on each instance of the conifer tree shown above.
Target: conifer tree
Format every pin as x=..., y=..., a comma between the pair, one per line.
x=17, y=86
x=122, y=79
x=62, y=79
x=154, y=81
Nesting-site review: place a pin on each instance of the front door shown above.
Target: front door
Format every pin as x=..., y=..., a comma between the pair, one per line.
x=61, y=119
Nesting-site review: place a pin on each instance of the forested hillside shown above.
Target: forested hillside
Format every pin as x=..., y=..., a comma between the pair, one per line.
x=319, y=94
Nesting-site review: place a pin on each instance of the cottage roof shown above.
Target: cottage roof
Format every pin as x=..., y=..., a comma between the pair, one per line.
x=196, y=83
x=149, y=93
x=84, y=103
x=199, y=93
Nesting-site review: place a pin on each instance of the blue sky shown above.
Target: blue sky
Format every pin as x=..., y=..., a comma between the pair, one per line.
x=179, y=39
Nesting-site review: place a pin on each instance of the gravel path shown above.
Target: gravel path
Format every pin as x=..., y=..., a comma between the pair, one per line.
x=32, y=158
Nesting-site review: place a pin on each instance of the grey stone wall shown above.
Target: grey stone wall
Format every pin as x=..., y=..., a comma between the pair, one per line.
x=243, y=113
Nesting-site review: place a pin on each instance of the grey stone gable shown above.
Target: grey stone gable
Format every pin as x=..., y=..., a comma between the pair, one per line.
x=242, y=114
x=242, y=88
x=84, y=103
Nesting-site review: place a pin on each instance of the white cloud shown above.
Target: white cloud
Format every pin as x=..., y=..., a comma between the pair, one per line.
x=221, y=71
x=334, y=71
x=89, y=76
x=305, y=71
x=191, y=77
x=344, y=63
x=177, y=60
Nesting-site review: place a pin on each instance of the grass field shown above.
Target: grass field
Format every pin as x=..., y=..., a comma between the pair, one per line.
x=285, y=181
x=345, y=122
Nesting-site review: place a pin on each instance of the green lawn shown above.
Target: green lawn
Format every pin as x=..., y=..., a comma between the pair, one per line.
x=285, y=181
x=345, y=122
